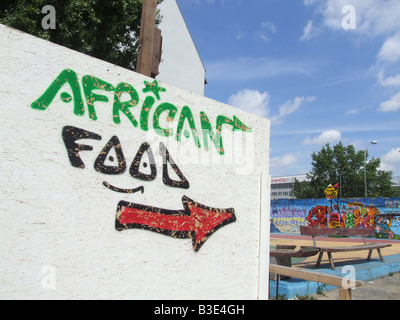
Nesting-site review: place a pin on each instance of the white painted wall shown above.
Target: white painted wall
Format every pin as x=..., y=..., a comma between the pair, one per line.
x=58, y=239
x=181, y=64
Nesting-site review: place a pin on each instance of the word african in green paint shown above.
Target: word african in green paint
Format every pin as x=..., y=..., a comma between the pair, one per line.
x=91, y=83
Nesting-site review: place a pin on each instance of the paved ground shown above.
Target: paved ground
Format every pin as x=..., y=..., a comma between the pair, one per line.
x=340, y=257
x=385, y=288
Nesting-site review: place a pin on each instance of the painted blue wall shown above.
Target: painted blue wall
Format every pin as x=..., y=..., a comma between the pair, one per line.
x=383, y=214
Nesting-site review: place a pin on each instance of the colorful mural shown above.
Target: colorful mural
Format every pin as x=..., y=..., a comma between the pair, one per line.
x=379, y=213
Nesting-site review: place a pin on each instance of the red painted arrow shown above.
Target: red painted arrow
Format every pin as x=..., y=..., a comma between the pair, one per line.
x=196, y=221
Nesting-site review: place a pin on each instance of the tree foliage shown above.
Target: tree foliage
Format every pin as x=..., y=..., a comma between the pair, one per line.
x=344, y=165
x=108, y=30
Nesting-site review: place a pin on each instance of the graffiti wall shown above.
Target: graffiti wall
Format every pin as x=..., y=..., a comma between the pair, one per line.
x=115, y=185
x=381, y=214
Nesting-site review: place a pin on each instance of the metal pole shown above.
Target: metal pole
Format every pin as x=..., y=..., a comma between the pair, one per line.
x=365, y=165
x=365, y=170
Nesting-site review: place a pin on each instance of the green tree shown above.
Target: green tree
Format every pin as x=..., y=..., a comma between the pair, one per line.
x=344, y=165
x=302, y=190
x=108, y=30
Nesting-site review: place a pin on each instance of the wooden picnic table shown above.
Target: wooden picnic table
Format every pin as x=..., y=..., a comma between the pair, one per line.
x=314, y=231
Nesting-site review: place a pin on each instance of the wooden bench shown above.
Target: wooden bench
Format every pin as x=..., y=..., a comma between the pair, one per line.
x=314, y=231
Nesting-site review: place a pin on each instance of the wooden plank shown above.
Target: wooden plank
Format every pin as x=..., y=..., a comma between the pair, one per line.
x=303, y=252
x=371, y=246
x=314, y=231
x=146, y=39
x=157, y=51
x=380, y=255
x=281, y=261
x=310, y=275
x=281, y=256
x=331, y=260
x=285, y=247
x=344, y=294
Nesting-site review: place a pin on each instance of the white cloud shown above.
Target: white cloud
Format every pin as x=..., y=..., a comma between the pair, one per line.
x=240, y=35
x=310, y=2
x=285, y=160
x=201, y=2
x=247, y=69
x=390, y=51
x=391, y=160
x=393, y=104
x=307, y=31
x=393, y=81
x=373, y=17
x=254, y=101
x=310, y=31
x=351, y=112
x=290, y=107
x=328, y=136
x=267, y=28
x=263, y=33
x=251, y=101
x=283, y=165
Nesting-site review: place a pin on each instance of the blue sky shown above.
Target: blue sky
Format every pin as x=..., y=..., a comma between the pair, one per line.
x=320, y=70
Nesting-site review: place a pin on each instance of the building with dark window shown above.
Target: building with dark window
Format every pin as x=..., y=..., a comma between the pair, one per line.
x=281, y=187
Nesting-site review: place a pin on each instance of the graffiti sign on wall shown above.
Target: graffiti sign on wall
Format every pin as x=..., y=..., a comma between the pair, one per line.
x=196, y=221
x=383, y=215
x=331, y=192
x=288, y=216
x=127, y=108
x=126, y=186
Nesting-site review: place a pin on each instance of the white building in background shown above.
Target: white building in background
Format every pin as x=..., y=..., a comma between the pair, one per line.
x=281, y=187
x=181, y=64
